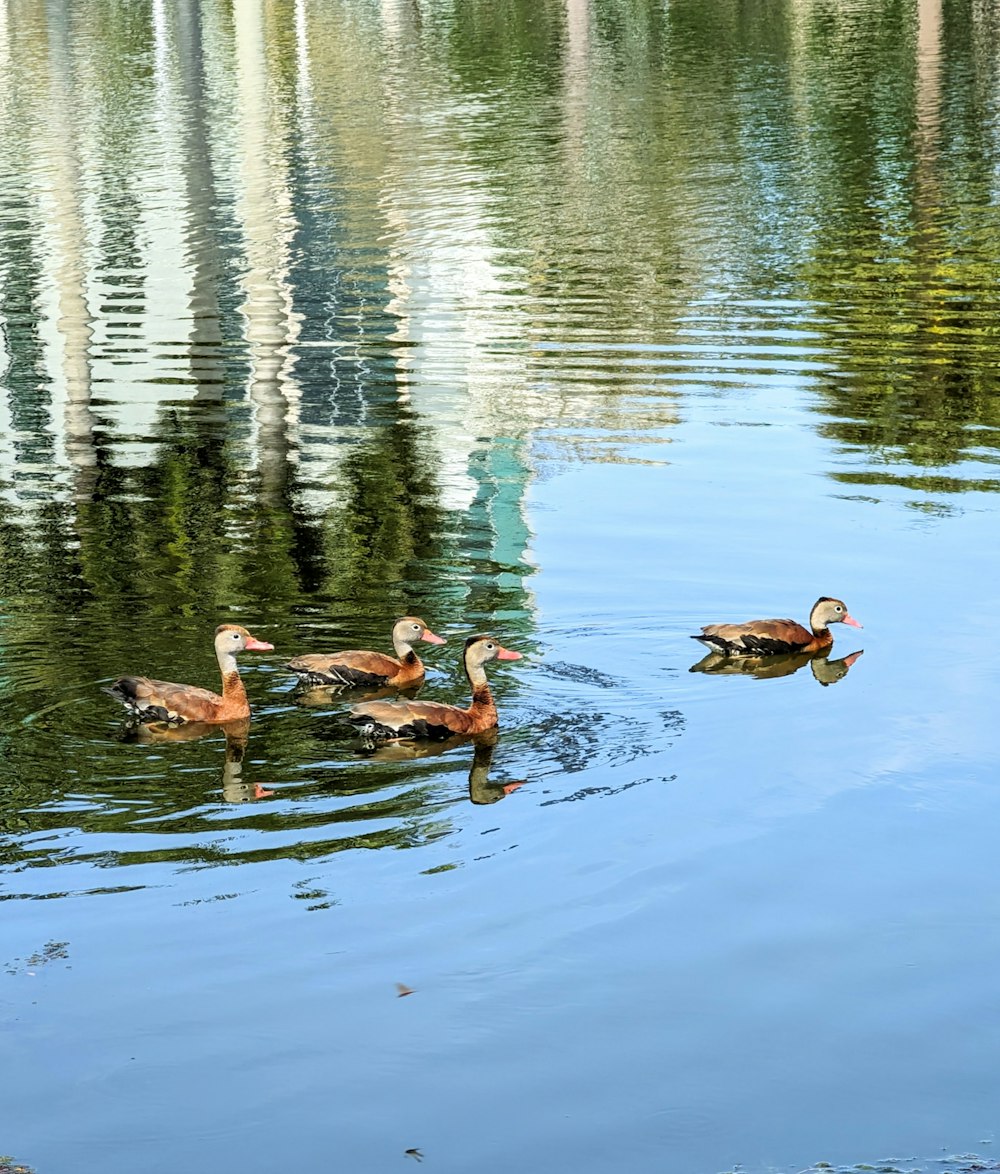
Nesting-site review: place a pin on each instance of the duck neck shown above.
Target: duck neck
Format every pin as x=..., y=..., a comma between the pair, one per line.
x=482, y=698
x=819, y=629
x=404, y=651
x=232, y=686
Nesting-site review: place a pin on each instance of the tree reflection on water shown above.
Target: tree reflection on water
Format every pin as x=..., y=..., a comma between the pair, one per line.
x=298, y=300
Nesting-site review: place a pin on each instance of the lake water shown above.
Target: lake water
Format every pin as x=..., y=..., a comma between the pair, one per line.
x=584, y=323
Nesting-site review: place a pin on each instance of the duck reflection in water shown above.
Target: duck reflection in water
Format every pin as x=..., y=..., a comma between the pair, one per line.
x=234, y=789
x=481, y=789
x=826, y=671
x=319, y=696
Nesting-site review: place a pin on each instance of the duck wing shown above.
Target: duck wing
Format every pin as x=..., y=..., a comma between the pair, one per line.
x=165, y=701
x=350, y=668
x=409, y=719
x=757, y=638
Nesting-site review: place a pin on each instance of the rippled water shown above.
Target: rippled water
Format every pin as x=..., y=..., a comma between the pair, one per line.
x=584, y=323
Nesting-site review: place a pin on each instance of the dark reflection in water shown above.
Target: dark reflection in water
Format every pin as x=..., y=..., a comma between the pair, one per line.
x=482, y=790
x=764, y=668
x=325, y=696
x=236, y=734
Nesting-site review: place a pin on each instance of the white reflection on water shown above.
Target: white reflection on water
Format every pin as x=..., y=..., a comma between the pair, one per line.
x=264, y=208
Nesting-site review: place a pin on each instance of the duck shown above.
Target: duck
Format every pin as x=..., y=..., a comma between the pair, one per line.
x=163, y=701
x=779, y=637
x=384, y=721
x=355, y=669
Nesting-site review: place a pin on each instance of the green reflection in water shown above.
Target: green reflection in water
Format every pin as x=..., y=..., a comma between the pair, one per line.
x=291, y=301
x=901, y=266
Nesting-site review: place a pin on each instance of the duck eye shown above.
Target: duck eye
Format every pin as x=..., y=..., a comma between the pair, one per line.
x=236, y=635
x=490, y=646
x=839, y=608
x=416, y=627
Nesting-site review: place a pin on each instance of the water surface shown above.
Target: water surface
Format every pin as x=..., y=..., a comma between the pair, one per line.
x=583, y=323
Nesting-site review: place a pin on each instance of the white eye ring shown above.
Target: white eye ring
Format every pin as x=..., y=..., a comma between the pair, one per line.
x=236, y=635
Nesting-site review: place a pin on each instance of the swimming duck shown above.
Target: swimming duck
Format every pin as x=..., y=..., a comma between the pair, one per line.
x=164, y=701
x=355, y=669
x=777, y=637
x=382, y=721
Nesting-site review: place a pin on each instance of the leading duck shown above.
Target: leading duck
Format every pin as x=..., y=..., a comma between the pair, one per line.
x=779, y=637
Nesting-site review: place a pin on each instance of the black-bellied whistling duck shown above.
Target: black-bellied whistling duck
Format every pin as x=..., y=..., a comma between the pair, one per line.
x=353, y=669
x=383, y=721
x=776, y=637
x=163, y=701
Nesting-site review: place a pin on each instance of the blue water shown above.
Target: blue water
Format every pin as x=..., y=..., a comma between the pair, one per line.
x=578, y=323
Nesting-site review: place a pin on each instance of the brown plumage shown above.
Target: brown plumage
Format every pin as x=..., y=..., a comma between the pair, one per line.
x=164, y=701
x=356, y=669
x=779, y=637
x=382, y=721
